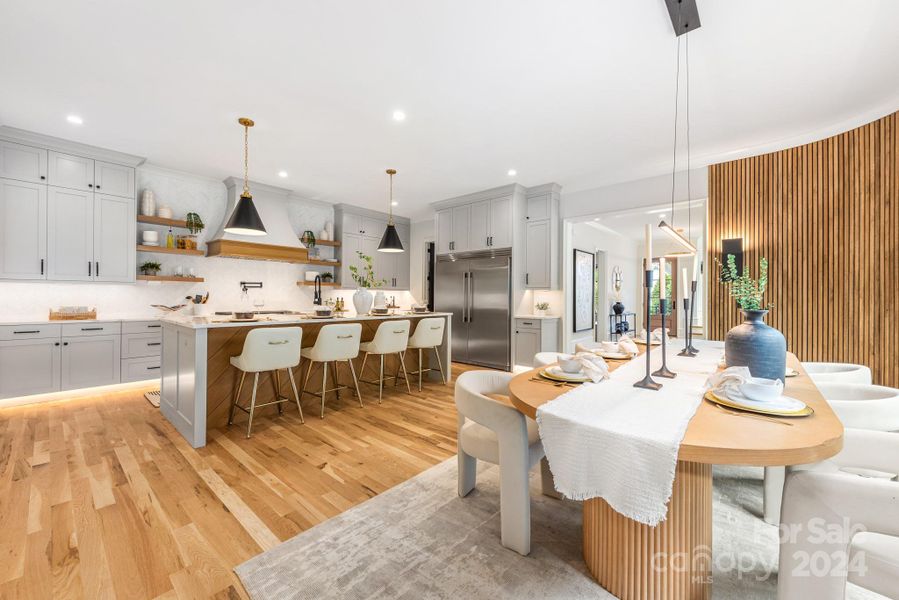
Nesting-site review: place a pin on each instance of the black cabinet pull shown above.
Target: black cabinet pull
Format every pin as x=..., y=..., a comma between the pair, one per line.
x=90, y=185
x=42, y=266
x=89, y=269
x=91, y=329
x=97, y=269
x=152, y=326
x=98, y=186
x=65, y=343
x=151, y=368
x=154, y=343
x=526, y=278
x=56, y=344
x=29, y=331
x=43, y=177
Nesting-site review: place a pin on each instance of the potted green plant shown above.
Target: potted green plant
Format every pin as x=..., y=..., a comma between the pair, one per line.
x=194, y=225
x=364, y=279
x=540, y=308
x=752, y=344
x=150, y=267
x=327, y=277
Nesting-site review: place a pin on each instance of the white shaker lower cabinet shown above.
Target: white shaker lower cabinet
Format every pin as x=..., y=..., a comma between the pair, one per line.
x=533, y=336
x=29, y=366
x=90, y=361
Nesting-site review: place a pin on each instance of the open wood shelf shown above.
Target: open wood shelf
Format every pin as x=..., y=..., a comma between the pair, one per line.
x=334, y=243
x=162, y=221
x=173, y=278
x=164, y=250
x=324, y=284
x=323, y=263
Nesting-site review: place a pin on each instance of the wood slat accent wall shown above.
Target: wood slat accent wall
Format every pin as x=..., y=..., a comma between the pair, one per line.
x=826, y=215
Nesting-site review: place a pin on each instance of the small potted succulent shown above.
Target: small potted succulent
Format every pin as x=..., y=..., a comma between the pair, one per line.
x=327, y=277
x=541, y=308
x=151, y=267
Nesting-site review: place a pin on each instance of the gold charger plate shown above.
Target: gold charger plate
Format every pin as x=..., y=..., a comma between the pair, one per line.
x=545, y=374
x=715, y=399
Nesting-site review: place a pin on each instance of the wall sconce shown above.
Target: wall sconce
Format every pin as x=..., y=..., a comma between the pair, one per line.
x=731, y=246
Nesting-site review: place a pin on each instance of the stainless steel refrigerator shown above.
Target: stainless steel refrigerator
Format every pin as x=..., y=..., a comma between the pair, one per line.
x=477, y=289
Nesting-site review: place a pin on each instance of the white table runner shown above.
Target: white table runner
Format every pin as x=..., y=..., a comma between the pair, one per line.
x=613, y=441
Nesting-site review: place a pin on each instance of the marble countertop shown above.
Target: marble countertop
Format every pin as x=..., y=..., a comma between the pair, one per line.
x=110, y=318
x=216, y=321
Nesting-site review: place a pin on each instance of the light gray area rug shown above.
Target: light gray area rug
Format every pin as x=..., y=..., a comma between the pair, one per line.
x=420, y=540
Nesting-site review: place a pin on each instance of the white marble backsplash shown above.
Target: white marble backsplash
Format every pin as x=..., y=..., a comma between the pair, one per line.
x=207, y=197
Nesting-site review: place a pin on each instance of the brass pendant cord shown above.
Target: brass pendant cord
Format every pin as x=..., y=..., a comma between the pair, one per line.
x=390, y=173
x=246, y=160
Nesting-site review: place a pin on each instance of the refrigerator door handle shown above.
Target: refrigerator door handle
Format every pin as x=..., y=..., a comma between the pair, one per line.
x=465, y=297
x=470, y=294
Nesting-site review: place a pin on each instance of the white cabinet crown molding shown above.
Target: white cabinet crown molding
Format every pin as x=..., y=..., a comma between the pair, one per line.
x=497, y=192
x=367, y=212
x=13, y=134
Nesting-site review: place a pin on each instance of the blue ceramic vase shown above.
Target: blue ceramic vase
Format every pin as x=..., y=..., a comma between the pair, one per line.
x=755, y=345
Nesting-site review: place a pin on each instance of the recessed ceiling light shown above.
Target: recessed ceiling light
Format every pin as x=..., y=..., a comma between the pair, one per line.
x=282, y=173
x=394, y=203
x=512, y=173
x=75, y=120
x=662, y=216
x=399, y=115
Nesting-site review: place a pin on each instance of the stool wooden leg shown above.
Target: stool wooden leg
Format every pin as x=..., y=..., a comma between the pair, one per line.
x=324, y=385
x=440, y=364
x=293, y=384
x=252, y=404
x=405, y=375
x=236, y=398
x=356, y=383
x=381, y=380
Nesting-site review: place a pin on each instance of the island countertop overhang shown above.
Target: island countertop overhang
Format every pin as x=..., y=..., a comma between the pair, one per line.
x=217, y=321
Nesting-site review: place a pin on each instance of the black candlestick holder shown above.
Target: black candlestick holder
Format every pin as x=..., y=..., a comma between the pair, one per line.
x=692, y=348
x=648, y=382
x=686, y=351
x=663, y=371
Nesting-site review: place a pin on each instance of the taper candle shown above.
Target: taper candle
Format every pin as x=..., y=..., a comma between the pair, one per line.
x=695, y=266
x=684, y=283
x=662, y=278
x=648, y=264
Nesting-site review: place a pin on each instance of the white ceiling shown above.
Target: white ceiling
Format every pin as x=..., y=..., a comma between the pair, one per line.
x=577, y=91
x=629, y=224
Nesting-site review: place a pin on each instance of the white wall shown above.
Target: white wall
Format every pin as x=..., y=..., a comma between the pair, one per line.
x=422, y=232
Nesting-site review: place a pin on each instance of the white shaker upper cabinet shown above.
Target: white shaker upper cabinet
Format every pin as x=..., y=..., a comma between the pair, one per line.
x=501, y=222
x=479, y=229
x=23, y=230
x=461, y=224
x=70, y=234
x=24, y=163
x=114, y=224
x=539, y=207
x=538, y=254
x=114, y=180
x=444, y=231
x=68, y=171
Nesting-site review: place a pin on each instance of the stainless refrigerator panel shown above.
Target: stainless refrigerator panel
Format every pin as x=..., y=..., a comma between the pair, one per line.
x=489, y=312
x=450, y=295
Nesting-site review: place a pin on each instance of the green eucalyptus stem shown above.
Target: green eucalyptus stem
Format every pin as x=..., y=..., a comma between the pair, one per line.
x=366, y=278
x=747, y=292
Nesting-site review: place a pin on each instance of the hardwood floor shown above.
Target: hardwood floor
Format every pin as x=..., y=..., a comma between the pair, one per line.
x=101, y=498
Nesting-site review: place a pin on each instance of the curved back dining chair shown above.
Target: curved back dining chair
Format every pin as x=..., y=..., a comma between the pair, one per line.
x=495, y=432
x=835, y=372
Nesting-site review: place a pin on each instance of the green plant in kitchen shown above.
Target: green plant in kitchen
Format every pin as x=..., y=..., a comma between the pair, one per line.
x=748, y=292
x=326, y=277
x=308, y=239
x=365, y=278
x=151, y=267
x=542, y=306
x=194, y=223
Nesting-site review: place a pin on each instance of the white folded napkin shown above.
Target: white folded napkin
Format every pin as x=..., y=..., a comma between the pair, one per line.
x=593, y=366
x=626, y=344
x=727, y=383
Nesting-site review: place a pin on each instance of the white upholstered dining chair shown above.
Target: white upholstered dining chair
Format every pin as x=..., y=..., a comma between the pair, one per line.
x=834, y=372
x=854, y=498
x=495, y=432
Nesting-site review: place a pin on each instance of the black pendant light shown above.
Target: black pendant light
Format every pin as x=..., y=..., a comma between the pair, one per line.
x=245, y=219
x=390, y=242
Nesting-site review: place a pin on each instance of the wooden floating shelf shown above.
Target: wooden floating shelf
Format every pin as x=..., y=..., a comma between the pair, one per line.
x=164, y=250
x=323, y=263
x=334, y=243
x=172, y=278
x=324, y=283
x=162, y=221
x=254, y=251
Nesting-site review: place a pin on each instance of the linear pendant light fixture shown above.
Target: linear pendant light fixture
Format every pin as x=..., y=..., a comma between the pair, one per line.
x=685, y=246
x=390, y=242
x=245, y=219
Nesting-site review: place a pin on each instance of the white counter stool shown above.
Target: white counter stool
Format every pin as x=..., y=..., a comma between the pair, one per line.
x=336, y=342
x=428, y=335
x=391, y=337
x=544, y=359
x=498, y=433
x=831, y=372
x=267, y=349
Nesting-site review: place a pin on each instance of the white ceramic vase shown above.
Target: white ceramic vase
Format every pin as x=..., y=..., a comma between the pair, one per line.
x=148, y=203
x=539, y=313
x=362, y=300
x=380, y=299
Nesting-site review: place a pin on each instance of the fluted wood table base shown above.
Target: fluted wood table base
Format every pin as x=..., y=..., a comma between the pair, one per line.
x=671, y=561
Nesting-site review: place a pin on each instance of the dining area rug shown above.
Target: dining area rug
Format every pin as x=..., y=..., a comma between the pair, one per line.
x=420, y=540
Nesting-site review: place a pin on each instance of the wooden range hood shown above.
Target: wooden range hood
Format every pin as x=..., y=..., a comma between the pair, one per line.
x=240, y=249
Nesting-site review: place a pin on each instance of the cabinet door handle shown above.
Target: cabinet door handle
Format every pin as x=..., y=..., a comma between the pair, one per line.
x=42, y=266
x=527, y=278
x=151, y=368
x=97, y=269
x=65, y=343
x=91, y=329
x=89, y=267
x=160, y=343
x=152, y=326
x=98, y=186
x=56, y=344
x=28, y=331
x=90, y=185
x=43, y=177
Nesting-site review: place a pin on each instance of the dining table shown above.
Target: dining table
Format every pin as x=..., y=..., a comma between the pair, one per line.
x=673, y=560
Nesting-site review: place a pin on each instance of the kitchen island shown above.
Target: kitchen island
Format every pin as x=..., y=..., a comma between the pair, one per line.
x=198, y=380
